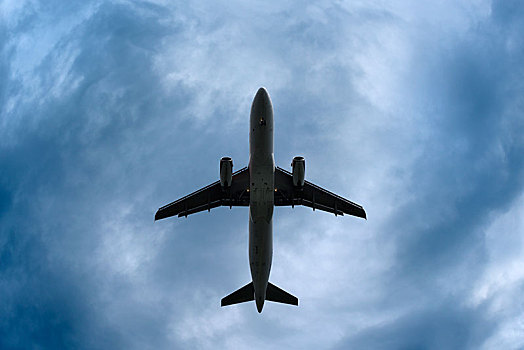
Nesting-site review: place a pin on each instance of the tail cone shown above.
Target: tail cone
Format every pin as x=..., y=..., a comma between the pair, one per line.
x=260, y=304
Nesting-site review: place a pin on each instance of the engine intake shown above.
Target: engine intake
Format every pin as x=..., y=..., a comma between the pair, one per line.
x=226, y=172
x=299, y=170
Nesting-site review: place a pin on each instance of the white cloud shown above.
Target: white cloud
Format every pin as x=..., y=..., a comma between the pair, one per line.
x=41, y=56
x=500, y=285
x=361, y=89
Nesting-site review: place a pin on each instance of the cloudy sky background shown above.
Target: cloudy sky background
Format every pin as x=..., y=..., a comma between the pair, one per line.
x=111, y=109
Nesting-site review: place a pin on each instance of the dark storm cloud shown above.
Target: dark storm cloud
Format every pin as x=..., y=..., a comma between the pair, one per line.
x=431, y=328
x=471, y=164
x=470, y=169
x=65, y=159
x=112, y=109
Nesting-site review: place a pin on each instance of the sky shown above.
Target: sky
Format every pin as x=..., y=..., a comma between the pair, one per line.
x=111, y=109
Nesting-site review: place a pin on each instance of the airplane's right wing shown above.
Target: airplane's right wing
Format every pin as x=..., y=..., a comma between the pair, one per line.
x=311, y=195
x=210, y=197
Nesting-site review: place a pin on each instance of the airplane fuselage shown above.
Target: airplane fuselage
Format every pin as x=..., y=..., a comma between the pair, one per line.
x=262, y=177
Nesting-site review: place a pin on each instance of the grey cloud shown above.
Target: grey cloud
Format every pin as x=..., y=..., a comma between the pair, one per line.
x=65, y=161
x=133, y=106
x=470, y=165
x=468, y=171
x=435, y=327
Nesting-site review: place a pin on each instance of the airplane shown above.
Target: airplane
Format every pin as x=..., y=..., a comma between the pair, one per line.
x=261, y=186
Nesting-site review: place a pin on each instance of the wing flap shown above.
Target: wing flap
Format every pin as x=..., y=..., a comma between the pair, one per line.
x=210, y=197
x=200, y=208
x=312, y=196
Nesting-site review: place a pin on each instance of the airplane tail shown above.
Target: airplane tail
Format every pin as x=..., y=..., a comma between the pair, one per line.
x=273, y=293
x=247, y=293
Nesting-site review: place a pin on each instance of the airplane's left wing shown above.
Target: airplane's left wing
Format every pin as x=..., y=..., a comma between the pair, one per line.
x=312, y=196
x=210, y=197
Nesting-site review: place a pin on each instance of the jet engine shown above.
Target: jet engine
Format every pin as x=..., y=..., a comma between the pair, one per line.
x=226, y=172
x=299, y=169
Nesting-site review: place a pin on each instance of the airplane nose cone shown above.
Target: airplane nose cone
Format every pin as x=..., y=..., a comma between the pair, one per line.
x=262, y=92
x=261, y=98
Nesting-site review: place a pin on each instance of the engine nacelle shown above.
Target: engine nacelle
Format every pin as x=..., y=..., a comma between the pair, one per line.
x=226, y=172
x=299, y=170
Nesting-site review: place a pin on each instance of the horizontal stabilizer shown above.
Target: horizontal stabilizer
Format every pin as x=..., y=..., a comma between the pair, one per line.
x=273, y=293
x=246, y=293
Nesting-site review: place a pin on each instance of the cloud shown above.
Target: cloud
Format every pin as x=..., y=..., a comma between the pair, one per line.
x=498, y=288
x=111, y=109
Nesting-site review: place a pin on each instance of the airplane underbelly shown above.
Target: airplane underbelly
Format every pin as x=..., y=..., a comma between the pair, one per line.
x=260, y=254
x=261, y=207
x=261, y=221
x=262, y=190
